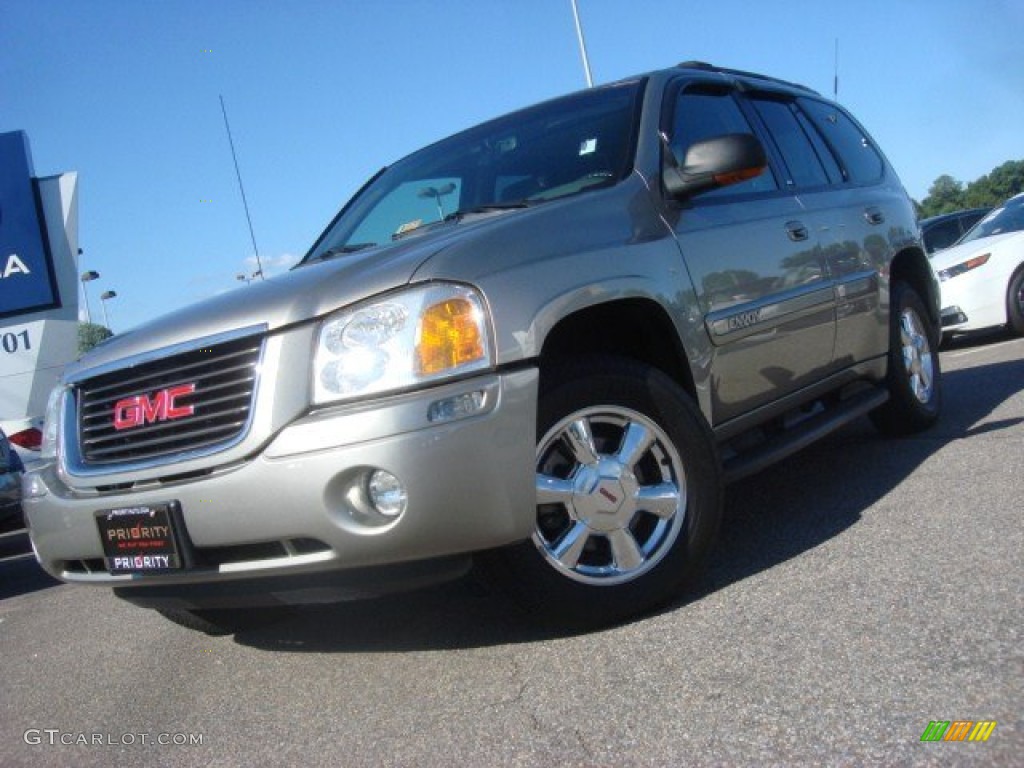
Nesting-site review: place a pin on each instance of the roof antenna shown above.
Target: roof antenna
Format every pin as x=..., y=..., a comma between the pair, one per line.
x=583, y=45
x=245, y=204
x=835, y=77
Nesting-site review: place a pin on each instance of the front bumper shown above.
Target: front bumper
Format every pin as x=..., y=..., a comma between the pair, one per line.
x=973, y=301
x=294, y=509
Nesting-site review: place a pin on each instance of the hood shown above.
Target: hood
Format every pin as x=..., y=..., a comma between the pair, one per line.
x=959, y=253
x=299, y=295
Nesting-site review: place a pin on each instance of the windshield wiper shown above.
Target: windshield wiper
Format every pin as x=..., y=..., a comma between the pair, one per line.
x=340, y=250
x=488, y=207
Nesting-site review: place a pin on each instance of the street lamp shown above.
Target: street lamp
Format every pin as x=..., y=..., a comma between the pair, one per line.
x=437, y=193
x=103, y=299
x=87, y=277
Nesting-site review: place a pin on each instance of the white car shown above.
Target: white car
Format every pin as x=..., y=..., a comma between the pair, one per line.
x=982, y=276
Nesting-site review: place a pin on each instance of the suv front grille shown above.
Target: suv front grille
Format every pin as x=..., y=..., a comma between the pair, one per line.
x=192, y=401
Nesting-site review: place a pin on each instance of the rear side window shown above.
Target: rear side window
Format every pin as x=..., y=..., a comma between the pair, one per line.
x=704, y=114
x=801, y=158
x=859, y=159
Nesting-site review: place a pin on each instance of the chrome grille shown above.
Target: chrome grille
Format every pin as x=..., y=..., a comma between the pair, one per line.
x=224, y=376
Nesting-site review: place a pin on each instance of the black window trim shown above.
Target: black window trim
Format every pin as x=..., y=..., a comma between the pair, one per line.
x=673, y=89
x=790, y=99
x=847, y=180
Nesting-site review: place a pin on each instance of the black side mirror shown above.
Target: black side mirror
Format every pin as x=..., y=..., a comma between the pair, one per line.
x=713, y=163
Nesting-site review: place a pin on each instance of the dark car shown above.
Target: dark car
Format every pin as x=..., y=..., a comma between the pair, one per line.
x=10, y=483
x=942, y=231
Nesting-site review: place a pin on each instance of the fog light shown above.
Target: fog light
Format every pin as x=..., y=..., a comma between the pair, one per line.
x=387, y=494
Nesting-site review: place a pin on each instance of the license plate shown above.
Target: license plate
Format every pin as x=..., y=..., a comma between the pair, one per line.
x=138, y=539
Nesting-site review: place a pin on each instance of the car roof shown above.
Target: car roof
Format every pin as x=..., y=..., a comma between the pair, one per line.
x=704, y=66
x=954, y=215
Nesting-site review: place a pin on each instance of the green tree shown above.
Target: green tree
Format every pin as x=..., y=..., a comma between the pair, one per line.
x=91, y=334
x=945, y=195
x=1003, y=182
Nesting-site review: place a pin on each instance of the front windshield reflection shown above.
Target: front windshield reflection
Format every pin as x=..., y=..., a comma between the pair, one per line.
x=559, y=148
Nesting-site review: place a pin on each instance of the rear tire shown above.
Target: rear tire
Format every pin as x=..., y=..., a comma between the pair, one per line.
x=914, y=377
x=629, y=496
x=1015, y=303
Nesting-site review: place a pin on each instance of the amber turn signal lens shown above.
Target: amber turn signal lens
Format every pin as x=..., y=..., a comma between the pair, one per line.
x=450, y=336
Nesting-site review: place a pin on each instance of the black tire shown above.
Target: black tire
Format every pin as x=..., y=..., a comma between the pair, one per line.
x=1015, y=303
x=634, y=547
x=914, y=377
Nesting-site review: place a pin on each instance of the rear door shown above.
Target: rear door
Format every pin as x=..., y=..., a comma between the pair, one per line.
x=865, y=204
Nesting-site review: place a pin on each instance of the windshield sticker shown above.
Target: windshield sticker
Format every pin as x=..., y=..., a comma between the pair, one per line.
x=588, y=147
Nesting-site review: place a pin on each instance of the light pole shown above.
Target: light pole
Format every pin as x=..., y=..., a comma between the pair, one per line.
x=87, y=277
x=103, y=303
x=437, y=193
x=583, y=45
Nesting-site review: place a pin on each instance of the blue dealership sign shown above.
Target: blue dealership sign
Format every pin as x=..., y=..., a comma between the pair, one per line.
x=26, y=267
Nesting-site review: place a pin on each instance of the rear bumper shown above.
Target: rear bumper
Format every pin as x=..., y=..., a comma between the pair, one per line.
x=297, y=510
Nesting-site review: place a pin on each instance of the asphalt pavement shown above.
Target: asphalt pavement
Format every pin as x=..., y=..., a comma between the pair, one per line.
x=860, y=590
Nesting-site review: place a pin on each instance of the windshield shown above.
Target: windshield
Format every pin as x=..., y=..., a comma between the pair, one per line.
x=559, y=148
x=1007, y=218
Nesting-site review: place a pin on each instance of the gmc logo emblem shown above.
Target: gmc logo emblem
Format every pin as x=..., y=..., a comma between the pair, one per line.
x=141, y=409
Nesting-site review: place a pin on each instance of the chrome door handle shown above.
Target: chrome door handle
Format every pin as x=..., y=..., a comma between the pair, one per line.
x=873, y=215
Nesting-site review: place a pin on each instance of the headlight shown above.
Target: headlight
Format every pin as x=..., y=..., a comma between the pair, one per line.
x=964, y=266
x=51, y=423
x=423, y=334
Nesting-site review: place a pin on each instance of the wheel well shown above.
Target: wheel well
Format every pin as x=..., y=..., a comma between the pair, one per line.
x=912, y=267
x=638, y=329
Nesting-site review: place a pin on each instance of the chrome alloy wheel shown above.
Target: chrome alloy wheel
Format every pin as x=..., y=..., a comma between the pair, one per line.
x=917, y=356
x=611, y=495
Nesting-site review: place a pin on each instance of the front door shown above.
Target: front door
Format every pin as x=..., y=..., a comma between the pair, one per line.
x=754, y=257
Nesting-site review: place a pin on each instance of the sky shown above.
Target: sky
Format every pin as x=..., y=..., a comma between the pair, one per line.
x=321, y=94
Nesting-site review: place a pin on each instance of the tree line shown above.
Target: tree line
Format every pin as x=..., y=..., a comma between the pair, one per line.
x=946, y=194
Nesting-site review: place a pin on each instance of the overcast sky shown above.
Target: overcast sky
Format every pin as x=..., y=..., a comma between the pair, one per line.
x=322, y=94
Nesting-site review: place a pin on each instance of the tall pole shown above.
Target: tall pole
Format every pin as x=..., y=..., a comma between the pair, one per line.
x=245, y=203
x=583, y=45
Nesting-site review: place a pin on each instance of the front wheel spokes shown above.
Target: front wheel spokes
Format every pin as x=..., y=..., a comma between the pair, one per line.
x=625, y=550
x=581, y=442
x=662, y=500
x=570, y=548
x=635, y=442
x=554, y=490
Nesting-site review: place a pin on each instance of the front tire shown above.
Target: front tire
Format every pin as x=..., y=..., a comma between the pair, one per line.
x=628, y=496
x=914, y=377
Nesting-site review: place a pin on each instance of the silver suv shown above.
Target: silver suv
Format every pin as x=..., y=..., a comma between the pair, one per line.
x=543, y=345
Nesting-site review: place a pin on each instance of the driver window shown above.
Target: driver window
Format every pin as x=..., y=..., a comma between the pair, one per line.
x=701, y=115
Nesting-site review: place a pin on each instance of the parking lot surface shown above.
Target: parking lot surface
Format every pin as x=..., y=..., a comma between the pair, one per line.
x=860, y=590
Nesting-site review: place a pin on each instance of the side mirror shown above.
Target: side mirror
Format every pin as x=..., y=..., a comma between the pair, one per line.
x=713, y=163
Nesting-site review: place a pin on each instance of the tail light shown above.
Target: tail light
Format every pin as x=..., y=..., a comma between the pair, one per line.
x=29, y=439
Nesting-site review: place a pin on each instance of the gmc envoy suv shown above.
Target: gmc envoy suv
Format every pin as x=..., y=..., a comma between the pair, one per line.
x=542, y=346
